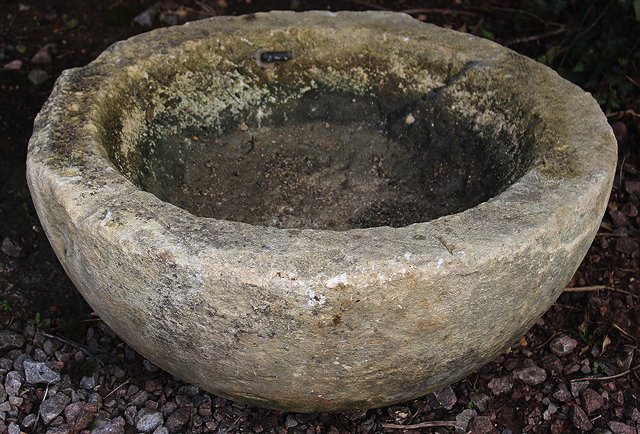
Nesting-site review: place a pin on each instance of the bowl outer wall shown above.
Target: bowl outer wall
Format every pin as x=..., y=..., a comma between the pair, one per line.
x=311, y=320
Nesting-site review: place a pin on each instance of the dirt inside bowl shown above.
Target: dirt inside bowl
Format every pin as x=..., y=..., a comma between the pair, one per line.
x=328, y=160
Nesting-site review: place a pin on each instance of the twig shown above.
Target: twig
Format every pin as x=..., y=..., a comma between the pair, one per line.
x=46, y=392
x=548, y=340
x=610, y=377
x=536, y=37
x=420, y=425
x=621, y=113
x=585, y=288
x=234, y=423
x=120, y=386
x=598, y=288
x=75, y=345
x=624, y=332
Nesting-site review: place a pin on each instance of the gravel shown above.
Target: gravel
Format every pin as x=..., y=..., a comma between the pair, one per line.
x=563, y=345
x=52, y=407
x=39, y=372
x=591, y=401
x=501, y=385
x=531, y=376
x=10, y=340
x=580, y=419
x=446, y=398
x=12, y=383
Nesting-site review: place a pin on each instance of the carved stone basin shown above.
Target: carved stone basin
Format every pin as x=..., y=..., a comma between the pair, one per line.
x=319, y=211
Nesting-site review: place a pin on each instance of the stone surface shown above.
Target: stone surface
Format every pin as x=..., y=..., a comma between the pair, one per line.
x=562, y=394
x=580, y=419
x=10, y=340
x=621, y=428
x=12, y=383
x=591, y=400
x=424, y=304
x=149, y=422
x=501, y=385
x=531, y=376
x=446, y=397
x=39, y=372
x=563, y=345
x=463, y=419
x=178, y=419
x=480, y=400
x=53, y=406
x=480, y=424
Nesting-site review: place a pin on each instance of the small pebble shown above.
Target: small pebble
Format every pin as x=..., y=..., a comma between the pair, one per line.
x=563, y=345
x=501, y=385
x=53, y=406
x=621, y=428
x=446, y=398
x=38, y=76
x=9, y=340
x=463, y=419
x=149, y=421
x=531, y=376
x=12, y=383
x=580, y=419
x=591, y=400
x=39, y=372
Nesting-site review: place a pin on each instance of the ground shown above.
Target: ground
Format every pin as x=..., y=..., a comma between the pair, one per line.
x=63, y=370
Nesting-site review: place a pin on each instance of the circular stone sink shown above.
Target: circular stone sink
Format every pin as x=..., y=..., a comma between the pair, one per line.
x=369, y=214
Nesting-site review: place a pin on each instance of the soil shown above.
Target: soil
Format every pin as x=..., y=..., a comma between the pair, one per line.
x=575, y=370
x=328, y=161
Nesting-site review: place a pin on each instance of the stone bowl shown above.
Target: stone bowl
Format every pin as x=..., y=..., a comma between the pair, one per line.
x=319, y=211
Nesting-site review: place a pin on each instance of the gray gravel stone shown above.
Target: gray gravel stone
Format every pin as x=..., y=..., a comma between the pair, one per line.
x=29, y=420
x=463, y=419
x=161, y=430
x=53, y=406
x=88, y=382
x=580, y=419
x=178, y=419
x=550, y=411
x=480, y=424
x=39, y=355
x=446, y=398
x=577, y=387
x=531, y=376
x=11, y=248
x=38, y=76
x=480, y=401
x=562, y=394
x=14, y=428
x=3, y=394
x=149, y=422
x=591, y=400
x=12, y=383
x=9, y=340
x=108, y=427
x=290, y=421
x=501, y=385
x=39, y=372
x=563, y=345
x=621, y=428
x=139, y=398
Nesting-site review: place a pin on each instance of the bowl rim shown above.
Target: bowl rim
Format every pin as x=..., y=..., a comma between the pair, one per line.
x=67, y=154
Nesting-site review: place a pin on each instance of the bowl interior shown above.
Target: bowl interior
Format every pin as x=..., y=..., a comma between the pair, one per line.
x=300, y=144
